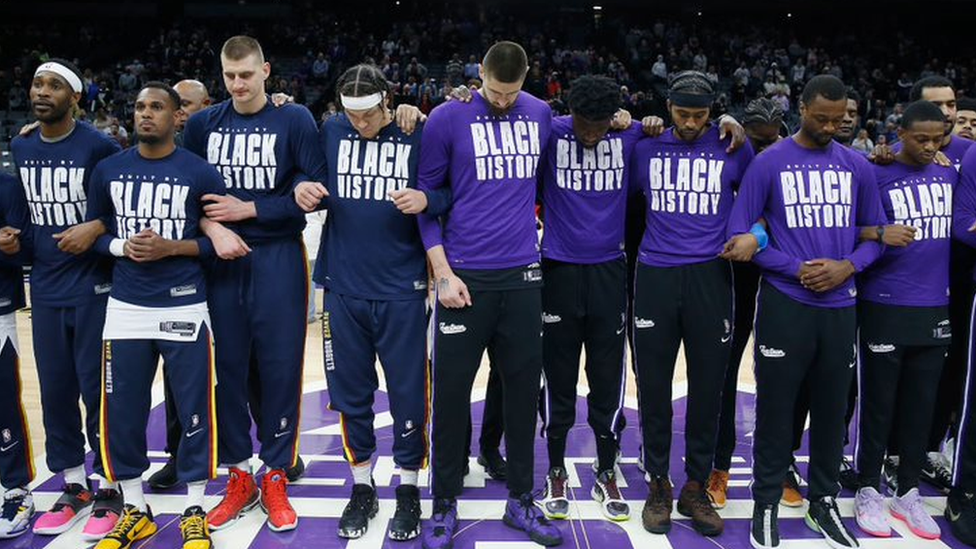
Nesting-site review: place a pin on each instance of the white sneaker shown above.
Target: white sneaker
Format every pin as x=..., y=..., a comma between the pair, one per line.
x=18, y=510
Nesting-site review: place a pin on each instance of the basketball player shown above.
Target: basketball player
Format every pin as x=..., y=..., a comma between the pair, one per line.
x=258, y=302
x=903, y=317
x=965, y=118
x=813, y=194
x=16, y=454
x=683, y=291
x=151, y=196
x=69, y=289
x=486, y=266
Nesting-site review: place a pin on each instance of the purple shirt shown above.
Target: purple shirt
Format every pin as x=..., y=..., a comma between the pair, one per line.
x=584, y=194
x=490, y=163
x=689, y=188
x=813, y=201
x=964, y=202
x=916, y=275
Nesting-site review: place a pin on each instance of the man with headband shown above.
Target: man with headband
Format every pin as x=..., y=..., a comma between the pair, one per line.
x=814, y=194
x=683, y=292
x=486, y=266
x=257, y=302
x=69, y=289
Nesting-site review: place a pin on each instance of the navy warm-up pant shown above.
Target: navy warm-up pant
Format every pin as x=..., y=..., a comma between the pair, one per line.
x=258, y=305
x=16, y=457
x=356, y=331
x=129, y=366
x=67, y=348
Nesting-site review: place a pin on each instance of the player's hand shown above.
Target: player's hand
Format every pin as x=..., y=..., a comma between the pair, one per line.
x=728, y=125
x=621, y=120
x=452, y=292
x=740, y=247
x=882, y=155
x=79, y=238
x=409, y=201
x=27, y=128
x=826, y=274
x=942, y=160
x=147, y=246
x=308, y=195
x=462, y=94
x=653, y=125
x=899, y=235
x=224, y=208
x=9, y=240
x=407, y=117
x=279, y=99
x=227, y=244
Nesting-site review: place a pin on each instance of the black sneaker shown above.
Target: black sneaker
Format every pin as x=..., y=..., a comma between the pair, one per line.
x=824, y=517
x=764, y=533
x=405, y=524
x=889, y=473
x=960, y=511
x=937, y=472
x=362, y=506
x=296, y=472
x=165, y=478
x=848, y=476
x=494, y=465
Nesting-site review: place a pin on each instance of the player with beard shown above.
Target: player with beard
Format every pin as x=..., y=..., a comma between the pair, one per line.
x=965, y=118
x=485, y=260
x=69, y=288
x=813, y=194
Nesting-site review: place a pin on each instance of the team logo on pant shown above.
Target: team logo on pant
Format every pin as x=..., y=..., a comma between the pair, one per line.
x=881, y=347
x=771, y=352
x=449, y=329
x=641, y=323
x=550, y=319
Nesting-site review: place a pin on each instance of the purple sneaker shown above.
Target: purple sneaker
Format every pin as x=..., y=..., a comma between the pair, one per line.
x=910, y=509
x=522, y=514
x=438, y=531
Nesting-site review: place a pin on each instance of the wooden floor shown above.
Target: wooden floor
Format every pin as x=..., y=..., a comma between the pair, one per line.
x=314, y=371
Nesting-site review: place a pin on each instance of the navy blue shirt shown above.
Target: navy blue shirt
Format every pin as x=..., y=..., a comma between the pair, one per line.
x=54, y=179
x=261, y=157
x=13, y=213
x=369, y=249
x=163, y=195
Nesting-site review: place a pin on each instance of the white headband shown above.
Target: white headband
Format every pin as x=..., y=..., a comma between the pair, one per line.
x=362, y=103
x=63, y=72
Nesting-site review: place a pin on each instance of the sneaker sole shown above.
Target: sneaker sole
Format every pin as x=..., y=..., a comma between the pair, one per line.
x=659, y=530
x=920, y=533
x=811, y=524
x=545, y=542
x=356, y=534
x=717, y=503
x=703, y=530
x=875, y=533
x=406, y=536
x=597, y=496
x=284, y=527
x=494, y=475
x=82, y=514
x=240, y=515
x=791, y=504
x=756, y=545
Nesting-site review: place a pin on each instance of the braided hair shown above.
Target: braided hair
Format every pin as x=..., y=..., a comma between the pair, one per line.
x=763, y=111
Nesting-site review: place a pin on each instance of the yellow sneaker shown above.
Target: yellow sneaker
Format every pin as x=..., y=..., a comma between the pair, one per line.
x=132, y=526
x=718, y=488
x=194, y=528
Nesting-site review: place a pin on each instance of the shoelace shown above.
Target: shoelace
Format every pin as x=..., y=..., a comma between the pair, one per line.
x=875, y=503
x=11, y=506
x=275, y=490
x=193, y=527
x=610, y=487
x=532, y=513
x=916, y=508
x=126, y=522
x=557, y=486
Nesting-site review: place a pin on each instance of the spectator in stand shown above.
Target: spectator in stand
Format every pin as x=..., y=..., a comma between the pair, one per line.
x=862, y=142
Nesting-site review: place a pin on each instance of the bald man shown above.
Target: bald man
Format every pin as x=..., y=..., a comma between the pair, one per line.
x=193, y=98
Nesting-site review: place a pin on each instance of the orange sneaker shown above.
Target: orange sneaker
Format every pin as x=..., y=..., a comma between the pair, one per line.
x=718, y=488
x=791, y=490
x=274, y=501
x=242, y=495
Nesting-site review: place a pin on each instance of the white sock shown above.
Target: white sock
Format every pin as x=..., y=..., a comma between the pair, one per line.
x=106, y=485
x=194, y=493
x=243, y=466
x=76, y=475
x=409, y=477
x=362, y=473
x=132, y=493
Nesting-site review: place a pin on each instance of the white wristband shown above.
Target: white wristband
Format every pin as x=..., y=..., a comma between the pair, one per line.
x=117, y=247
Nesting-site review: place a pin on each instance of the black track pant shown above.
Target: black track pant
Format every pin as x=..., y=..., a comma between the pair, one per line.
x=746, y=284
x=691, y=303
x=492, y=422
x=510, y=322
x=584, y=305
x=794, y=341
x=895, y=380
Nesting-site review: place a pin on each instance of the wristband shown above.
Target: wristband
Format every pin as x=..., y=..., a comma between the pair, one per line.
x=759, y=232
x=117, y=247
x=881, y=229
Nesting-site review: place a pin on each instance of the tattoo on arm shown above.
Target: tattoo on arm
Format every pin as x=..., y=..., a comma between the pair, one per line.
x=443, y=285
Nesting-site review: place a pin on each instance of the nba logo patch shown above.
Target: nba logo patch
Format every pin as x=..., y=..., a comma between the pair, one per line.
x=195, y=420
x=283, y=423
x=6, y=436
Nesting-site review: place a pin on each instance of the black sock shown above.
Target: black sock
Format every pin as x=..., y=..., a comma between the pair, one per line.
x=557, y=451
x=606, y=453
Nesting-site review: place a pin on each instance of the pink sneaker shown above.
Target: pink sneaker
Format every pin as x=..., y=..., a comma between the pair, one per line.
x=73, y=505
x=105, y=513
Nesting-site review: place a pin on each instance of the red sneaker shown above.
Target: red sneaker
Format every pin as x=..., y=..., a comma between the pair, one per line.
x=274, y=501
x=242, y=495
